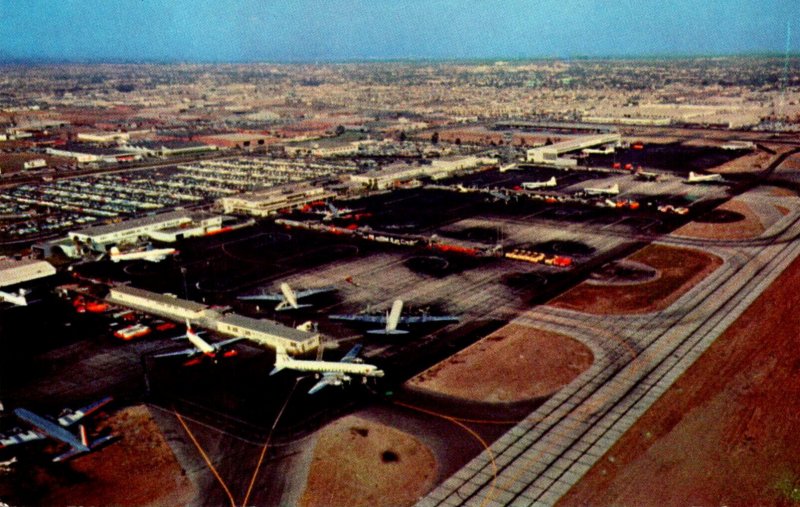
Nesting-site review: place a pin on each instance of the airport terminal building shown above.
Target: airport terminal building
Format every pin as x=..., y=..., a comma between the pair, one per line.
x=264, y=332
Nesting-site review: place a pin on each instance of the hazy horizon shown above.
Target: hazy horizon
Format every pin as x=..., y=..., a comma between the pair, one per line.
x=354, y=31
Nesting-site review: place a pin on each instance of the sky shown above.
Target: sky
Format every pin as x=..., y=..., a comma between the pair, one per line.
x=345, y=30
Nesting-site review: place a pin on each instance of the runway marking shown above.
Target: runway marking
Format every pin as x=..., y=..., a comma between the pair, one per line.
x=489, y=496
x=205, y=457
x=266, y=443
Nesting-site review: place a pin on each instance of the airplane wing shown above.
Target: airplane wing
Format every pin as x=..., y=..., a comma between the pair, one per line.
x=352, y=355
x=310, y=292
x=261, y=297
x=374, y=319
x=19, y=437
x=73, y=416
x=225, y=343
x=329, y=379
x=422, y=319
x=185, y=353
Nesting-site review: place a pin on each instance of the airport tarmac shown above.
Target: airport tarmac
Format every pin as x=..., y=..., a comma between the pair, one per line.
x=237, y=403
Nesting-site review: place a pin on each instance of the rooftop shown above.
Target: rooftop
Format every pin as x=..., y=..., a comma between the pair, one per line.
x=161, y=298
x=267, y=327
x=99, y=230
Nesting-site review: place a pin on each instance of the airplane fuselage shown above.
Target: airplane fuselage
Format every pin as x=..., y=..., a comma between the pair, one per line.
x=367, y=370
x=51, y=429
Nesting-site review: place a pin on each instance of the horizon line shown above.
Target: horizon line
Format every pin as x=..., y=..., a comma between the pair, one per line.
x=367, y=60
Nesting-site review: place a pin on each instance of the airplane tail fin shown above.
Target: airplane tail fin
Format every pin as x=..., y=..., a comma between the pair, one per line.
x=289, y=295
x=84, y=438
x=394, y=316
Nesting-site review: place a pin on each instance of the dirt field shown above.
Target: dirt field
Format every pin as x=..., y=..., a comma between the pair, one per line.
x=750, y=227
x=755, y=161
x=726, y=432
x=363, y=463
x=139, y=469
x=680, y=269
x=516, y=363
x=791, y=164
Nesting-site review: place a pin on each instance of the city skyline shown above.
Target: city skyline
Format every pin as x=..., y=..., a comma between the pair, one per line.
x=353, y=30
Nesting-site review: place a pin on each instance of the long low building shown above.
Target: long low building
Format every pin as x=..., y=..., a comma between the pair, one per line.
x=100, y=236
x=160, y=304
x=266, y=202
x=14, y=271
x=550, y=154
x=268, y=333
x=261, y=331
x=394, y=174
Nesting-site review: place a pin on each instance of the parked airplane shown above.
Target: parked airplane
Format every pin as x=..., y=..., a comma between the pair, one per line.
x=334, y=212
x=533, y=185
x=499, y=196
x=703, y=178
x=393, y=318
x=154, y=255
x=57, y=429
x=19, y=298
x=333, y=373
x=612, y=190
x=201, y=349
x=287, y=297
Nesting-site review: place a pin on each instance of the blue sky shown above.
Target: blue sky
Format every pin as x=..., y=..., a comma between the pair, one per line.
x=335, y=30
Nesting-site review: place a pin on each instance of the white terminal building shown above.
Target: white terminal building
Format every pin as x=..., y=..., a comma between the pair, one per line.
x=101, y=236
x=13, y=272
x=551, y=154
x=264, y=332
x=395, y=174
x=266, y=202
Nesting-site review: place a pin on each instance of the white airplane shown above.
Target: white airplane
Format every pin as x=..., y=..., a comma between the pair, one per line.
x=532, y=185
x=333, y=372
x=499, y=196
x=334, y=212
x=201, y=349
x=58, y=430
x=612, y=190
x=5, y=466
x=703, y=178
x=154, y=255
x=509, y=167
x=18, y=299
x=287, y=298
x=393, y=318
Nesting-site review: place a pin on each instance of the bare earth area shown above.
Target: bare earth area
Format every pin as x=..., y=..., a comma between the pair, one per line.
x=791, y=164
x=364, y=463
x=139, y=469
x=515, y=363
x=680, y=270
x=749, y=227
x=726, y=433
x=756, y=161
